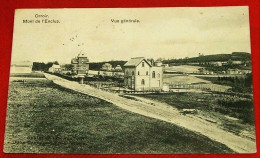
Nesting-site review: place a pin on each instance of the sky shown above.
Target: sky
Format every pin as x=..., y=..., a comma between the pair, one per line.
x=162, y=32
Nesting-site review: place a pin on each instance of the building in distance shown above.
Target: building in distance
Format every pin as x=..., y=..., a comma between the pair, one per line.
x=21, y=67
x=55, y=68
x=106, y=67
x=80, y=64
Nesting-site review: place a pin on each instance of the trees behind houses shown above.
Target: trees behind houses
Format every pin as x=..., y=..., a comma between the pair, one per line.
x=40, y=66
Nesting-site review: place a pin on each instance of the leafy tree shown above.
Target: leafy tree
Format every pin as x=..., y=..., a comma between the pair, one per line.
x=68, y=67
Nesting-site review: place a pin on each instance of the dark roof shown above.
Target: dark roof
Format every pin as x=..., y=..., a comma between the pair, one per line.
x=133, y=62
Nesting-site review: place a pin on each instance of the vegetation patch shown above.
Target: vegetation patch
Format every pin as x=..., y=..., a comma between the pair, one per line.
x=234, y=106
x=45, y=118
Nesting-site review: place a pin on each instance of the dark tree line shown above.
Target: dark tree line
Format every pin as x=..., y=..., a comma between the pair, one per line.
x=238, y=84
x=205, y=59
x=40, y=66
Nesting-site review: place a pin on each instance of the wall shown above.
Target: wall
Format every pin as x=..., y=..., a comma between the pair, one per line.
x=129, y=79
x=142, y=75
x=22, y=69
x=157, y=82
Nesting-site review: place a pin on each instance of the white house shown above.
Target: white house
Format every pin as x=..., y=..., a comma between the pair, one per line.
x=118, y=68
x=21, y=67
x=106, y=67
x=55, y=68
x=141, y=75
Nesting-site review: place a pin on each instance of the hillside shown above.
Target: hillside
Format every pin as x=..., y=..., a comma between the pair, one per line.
x=235, y=56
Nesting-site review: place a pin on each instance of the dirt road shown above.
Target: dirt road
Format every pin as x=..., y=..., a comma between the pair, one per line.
x=163, y=112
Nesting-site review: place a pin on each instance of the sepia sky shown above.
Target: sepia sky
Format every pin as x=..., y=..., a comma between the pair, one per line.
x=162, y=32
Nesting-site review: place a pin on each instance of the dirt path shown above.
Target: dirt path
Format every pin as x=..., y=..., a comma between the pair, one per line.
x=163, y=112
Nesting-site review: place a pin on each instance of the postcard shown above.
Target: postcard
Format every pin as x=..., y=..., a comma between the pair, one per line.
x=131, y=80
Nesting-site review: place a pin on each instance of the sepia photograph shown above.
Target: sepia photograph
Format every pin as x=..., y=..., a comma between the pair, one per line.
x=168, y=80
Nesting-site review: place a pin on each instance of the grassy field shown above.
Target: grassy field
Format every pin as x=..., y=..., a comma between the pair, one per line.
x=45, y=118
x=216, y=106
x=183, y=68
x=29, y=75
x=238, y=107
x=184, y=79
x=189, y=79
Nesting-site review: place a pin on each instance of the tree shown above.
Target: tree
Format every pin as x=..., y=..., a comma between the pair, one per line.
x=37, y=66
x=68, y=67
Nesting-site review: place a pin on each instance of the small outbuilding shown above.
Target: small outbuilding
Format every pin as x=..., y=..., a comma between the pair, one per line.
x=21, y=67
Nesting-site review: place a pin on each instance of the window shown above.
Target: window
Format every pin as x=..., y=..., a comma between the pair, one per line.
x=138, y=73
x=146, y=72
x=153, y=74
x=158, y=75
x=126, y=72
x=133, y=73
x=143, y=82
x=142, y=64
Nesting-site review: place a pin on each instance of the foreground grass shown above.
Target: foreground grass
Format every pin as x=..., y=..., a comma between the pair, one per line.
x=45, y=118
x=30, y=75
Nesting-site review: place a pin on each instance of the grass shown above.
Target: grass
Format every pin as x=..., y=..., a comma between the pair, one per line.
x=30, y=75
x=238, y=107
x=45, y=118
x=240, y=84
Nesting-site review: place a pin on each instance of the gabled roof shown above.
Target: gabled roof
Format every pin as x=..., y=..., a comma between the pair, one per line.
x=133, y=62
x=56, y=66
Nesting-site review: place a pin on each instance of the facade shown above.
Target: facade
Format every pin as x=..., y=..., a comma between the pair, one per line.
x=141, y=75
x=55, y=68
x=80, y=64
x=21, y=67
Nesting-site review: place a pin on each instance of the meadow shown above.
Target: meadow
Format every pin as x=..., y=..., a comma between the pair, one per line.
x=45, y=118
x=234, y=113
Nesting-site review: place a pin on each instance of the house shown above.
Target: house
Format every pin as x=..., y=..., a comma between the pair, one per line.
x=80, y=64
x=158, y=63
x=106, y=67
x=21, y=67
x=165, y=65
x=215, y=63
x=118, y=68
x=232, y=71
x=140, y=75
x=237, y=62
x=55, y=68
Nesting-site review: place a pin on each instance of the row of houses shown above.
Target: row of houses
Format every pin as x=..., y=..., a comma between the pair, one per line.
x=139, y=73
x=109, y=67
x=203, y=71
x=221, y=63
